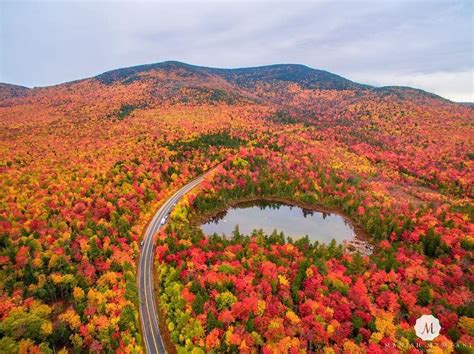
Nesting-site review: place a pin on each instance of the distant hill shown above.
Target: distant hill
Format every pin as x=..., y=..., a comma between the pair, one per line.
x=407, y=92
x=299, y=94
x=12, y=91
x=181, y=82
x=271, y=82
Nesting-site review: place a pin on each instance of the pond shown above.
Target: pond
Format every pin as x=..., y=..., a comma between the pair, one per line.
x=293, y=221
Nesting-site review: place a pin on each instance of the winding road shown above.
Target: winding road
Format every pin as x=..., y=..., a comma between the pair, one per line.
x=148, y=312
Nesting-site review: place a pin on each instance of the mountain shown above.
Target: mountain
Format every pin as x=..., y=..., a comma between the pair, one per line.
x=296, y=92
x=245, y=77
x=272, y=83
x=249, y=78
x=375, y=119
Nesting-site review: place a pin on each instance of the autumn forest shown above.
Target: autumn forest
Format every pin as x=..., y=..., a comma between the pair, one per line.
x=85, y=165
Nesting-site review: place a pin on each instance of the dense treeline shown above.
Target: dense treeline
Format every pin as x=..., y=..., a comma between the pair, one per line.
x=272, y=294
x=69, y=246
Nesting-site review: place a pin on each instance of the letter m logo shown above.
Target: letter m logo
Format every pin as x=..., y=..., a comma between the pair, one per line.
x=427, y=327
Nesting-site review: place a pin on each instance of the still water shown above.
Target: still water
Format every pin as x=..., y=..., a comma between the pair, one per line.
x=292, y=221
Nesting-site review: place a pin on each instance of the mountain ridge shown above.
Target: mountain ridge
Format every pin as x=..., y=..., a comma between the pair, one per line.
x=244, y=77
x=12, y=91
x=238, y=76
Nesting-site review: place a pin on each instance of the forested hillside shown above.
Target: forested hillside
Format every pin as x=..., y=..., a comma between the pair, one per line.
x=84, y=165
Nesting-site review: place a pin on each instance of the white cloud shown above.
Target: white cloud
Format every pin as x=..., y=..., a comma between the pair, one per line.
x=457, y=86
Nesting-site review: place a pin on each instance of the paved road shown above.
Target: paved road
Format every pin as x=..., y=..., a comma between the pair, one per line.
x=148, y=313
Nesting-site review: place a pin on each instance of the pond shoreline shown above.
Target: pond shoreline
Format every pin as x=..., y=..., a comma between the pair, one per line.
x=361, y=241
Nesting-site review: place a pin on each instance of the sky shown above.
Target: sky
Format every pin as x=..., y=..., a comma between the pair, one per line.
x=424, y=44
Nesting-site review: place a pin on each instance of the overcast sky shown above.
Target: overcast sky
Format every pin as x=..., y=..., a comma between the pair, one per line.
x=425, y=44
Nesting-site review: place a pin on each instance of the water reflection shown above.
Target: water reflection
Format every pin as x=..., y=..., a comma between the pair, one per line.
x=293, y=221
